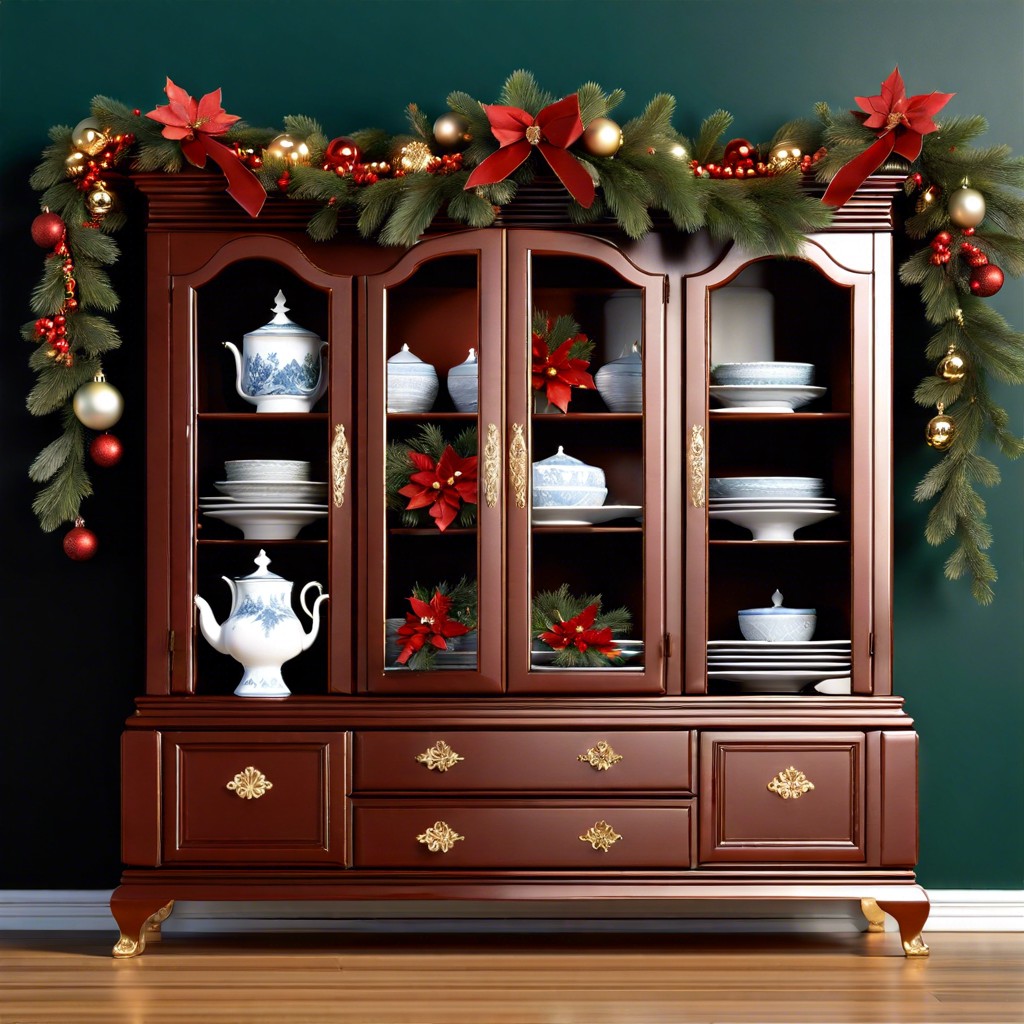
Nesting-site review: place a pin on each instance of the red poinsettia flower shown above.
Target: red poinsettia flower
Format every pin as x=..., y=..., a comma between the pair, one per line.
x=557, y=372
x=183, y=118
x=428, y=623
x=442, y=487
x=578, y=632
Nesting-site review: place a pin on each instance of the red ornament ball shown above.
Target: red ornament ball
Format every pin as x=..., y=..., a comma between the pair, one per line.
x=80, y=544
x=106, y=450
x=48, y=230
x=986, y=280
x=341, y=155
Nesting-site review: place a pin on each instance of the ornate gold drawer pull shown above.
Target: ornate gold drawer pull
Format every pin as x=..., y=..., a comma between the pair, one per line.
x=250, y=784
x=340, y=457
x=492, y=465
x=517, y=464
x=791, y=784
x=601, y=756
x=440, y=837
x=439, y=757
x=697, y=459
x=601, y=836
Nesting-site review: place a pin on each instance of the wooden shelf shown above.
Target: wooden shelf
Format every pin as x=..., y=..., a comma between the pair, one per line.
x=722, y=416
x=589, y=417
x=430, y=531
x=419, y=417
x=774, y=543
x=260, y=417
x=584, y=528
x=276, y=542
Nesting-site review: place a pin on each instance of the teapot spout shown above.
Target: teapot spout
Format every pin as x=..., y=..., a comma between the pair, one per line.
x=210, y=627
x=308, y=638
x=233, y=349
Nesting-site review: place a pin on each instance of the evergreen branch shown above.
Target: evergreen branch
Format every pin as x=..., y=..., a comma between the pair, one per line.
x=323, y=225
x=56, y=384
x=88, y=243
x=373, y=143
x=521, y=90
x=69, y=485
x=593, y=102
x=376, y=203
x=420, y=124
x=711, y=130
x=310, y=132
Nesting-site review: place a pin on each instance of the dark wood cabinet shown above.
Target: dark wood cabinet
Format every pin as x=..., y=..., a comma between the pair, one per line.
x=493, y=774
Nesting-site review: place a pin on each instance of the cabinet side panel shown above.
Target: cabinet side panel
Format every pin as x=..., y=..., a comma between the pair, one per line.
x=140, y=799
x=898, y=785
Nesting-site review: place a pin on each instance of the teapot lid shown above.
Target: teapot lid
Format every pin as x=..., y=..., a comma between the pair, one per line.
x=280, y=324
x=561, y=459
x=262, y=571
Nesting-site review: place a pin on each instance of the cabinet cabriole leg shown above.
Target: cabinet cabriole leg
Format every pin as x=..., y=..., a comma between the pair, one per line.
x=911, y=918
x=874, y=914
x=134, y=918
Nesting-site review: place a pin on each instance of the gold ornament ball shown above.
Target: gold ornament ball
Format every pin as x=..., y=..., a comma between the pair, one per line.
x=603, y=137
x=783, y=156
x=75, y=164
x=451, y=131
x=99, y=201
x=287, y=148
x=952, y=367
x=966, y=207
x=98, y=405
x=414, y=156
x=89, y=137
x=940, y=432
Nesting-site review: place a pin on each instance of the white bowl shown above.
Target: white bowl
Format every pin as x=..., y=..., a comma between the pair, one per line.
x=763, y=373
x=569, y=497
x=267, y=524
x=777, y=624
x=277, y=491
x=266, y=469
x=765, y=487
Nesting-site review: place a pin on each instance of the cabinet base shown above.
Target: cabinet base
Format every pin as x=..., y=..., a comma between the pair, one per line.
x=145, y=899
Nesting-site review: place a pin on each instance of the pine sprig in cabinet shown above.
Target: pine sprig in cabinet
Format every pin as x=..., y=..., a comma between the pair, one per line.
x=496, y=775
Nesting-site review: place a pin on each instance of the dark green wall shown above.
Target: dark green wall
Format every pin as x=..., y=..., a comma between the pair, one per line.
x=76, y=630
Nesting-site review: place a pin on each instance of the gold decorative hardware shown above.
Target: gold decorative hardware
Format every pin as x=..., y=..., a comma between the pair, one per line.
x=250, y=784
x=697, y=460
x=492, y=465
x=601, y=836
x=440, y=757
x=440, y=837
x=127, y=946
x=340, y=456
x=601, y=756
x=791, y=784
x=916, y=947
x=874, y=914
x=517, y=464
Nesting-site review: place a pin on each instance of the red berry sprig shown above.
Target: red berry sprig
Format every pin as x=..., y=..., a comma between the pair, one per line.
x=96, y=166
x=53, y=330
x=940, y=249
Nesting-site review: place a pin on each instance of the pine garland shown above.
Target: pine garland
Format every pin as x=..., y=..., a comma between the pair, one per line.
x=653, y=172
x=963, y=323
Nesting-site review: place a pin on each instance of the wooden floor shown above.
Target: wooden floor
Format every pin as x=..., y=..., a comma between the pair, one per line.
x=512, y=979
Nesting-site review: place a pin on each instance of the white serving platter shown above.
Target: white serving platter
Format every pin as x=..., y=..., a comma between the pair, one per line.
x=572, y=515
x=764, y=397
x=773, y=523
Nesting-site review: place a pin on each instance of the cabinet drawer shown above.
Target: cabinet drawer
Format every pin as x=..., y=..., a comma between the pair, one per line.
x=589, y=761
x=521, y=835
x=782, y=796
x=254, y=798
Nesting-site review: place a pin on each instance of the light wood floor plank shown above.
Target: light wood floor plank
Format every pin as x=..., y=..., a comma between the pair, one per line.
x=423, y=979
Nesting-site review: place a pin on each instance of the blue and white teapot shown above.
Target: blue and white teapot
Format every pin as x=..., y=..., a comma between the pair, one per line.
x=262, y=632
x=280, y=367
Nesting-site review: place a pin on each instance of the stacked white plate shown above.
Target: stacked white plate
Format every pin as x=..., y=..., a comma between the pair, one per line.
x=267, y=509
x=772, y=508
x=764, y=386
x=762, y=667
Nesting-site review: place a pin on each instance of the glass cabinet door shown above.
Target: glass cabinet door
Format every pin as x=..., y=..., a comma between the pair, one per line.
x=584, y=442
x=780, y=402
x=433, y=562
x=249, y=460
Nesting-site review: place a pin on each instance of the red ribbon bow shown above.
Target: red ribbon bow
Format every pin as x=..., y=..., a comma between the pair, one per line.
x=194, y=124
x=903, y=122
x=551, y=133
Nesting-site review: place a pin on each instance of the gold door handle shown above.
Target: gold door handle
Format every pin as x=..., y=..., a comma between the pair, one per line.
x=697, y=460
x=601, y=836
x=440, y=837
x=601, y=756
x=439, y=757
x=492, y=465
x=340, y=457
x=250, y=784
x=791, y=784
x=517, y=464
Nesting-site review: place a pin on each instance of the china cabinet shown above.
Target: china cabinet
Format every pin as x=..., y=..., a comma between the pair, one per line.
x=491, y=769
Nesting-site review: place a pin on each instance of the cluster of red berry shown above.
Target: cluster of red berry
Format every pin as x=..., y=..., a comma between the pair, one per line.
x=742, y=160
x=941, y=252
x=53, y=329
x=87, y=170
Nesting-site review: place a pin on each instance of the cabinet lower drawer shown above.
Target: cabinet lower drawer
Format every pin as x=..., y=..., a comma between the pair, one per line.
x=254, y=798
x=527, y=760
x=782, y=796
x=599, y=836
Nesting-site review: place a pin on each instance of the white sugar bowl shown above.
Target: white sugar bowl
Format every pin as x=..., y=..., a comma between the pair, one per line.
x=412, y=383
x=561, y=481
x=778, y=624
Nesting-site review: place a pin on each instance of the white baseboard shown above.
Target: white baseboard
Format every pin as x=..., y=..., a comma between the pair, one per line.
x=953, y=910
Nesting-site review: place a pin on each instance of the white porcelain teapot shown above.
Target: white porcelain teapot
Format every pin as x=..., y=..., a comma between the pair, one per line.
x=262, y=632
x=280, y=367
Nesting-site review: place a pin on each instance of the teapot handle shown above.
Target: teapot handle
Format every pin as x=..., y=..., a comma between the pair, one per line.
x=317, y=391
x=302, y=596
